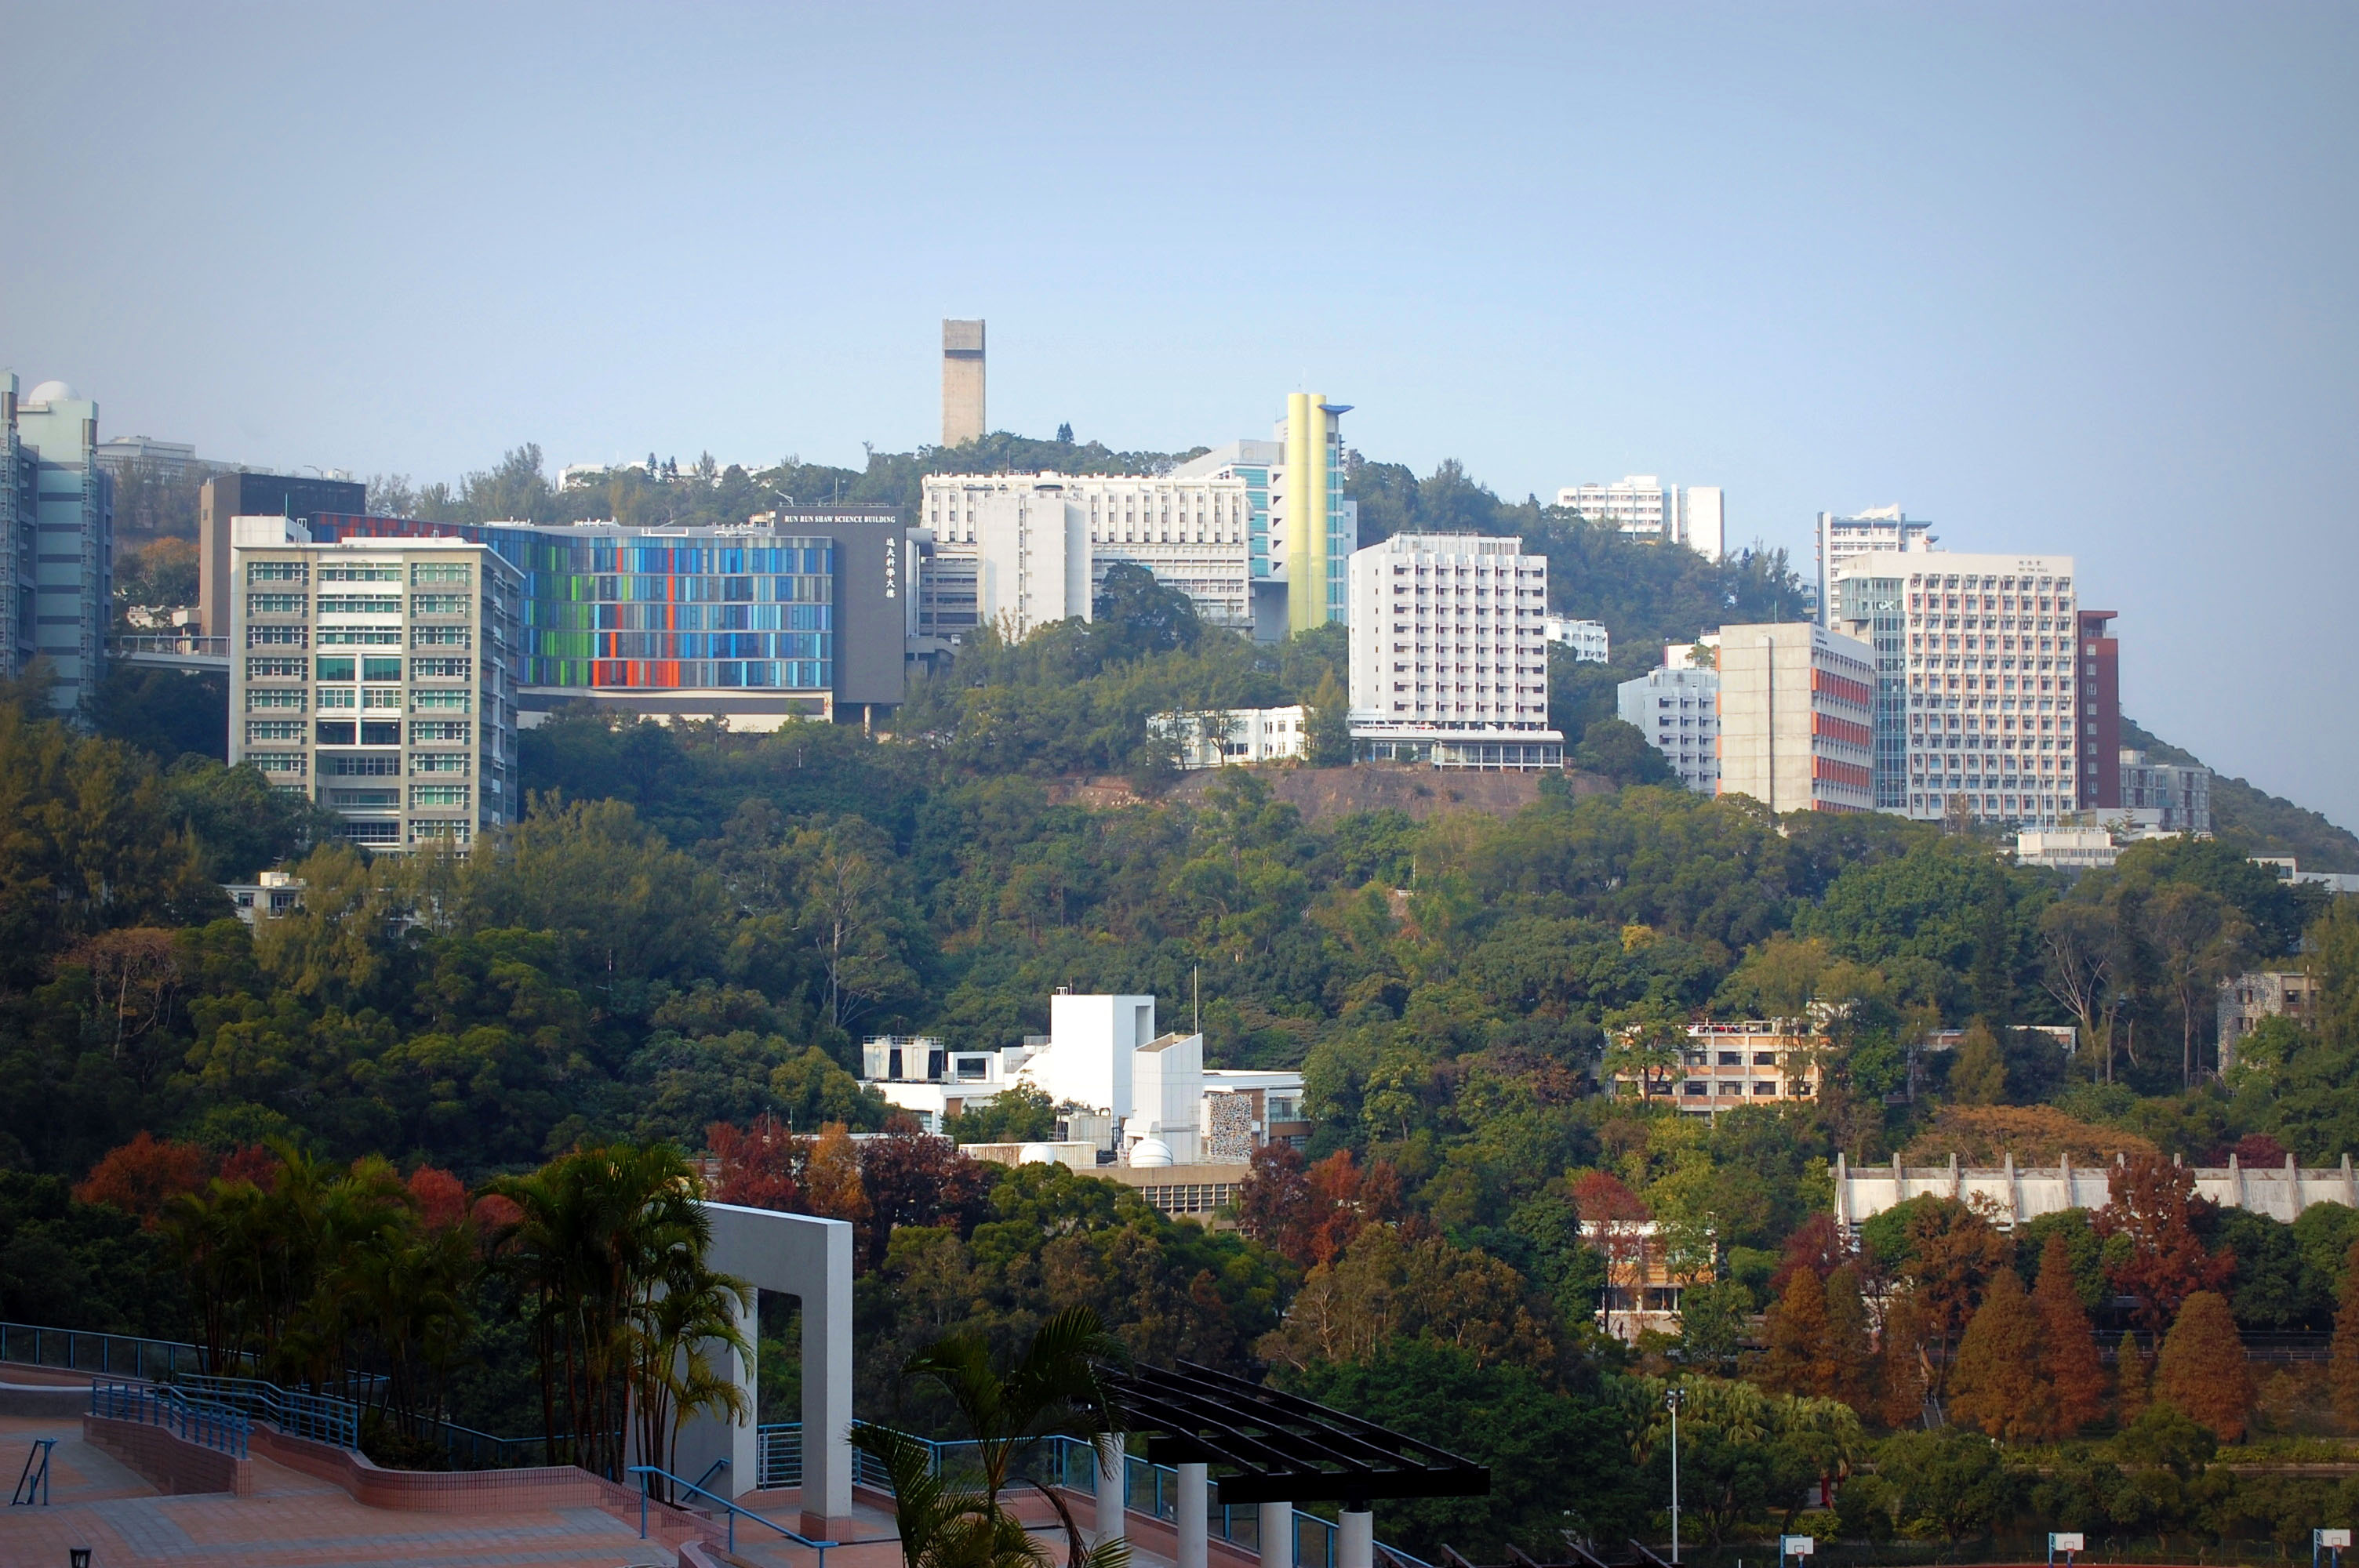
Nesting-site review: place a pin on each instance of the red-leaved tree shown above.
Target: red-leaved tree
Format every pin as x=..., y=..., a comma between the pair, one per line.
x=2152, y=1206
x=141, y=1176
x=913, y=1177
x=761, y=1167
x=1311, y=1213
x=1618, y=1223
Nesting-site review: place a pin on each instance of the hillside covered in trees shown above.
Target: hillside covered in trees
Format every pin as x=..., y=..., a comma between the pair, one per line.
x=683, y=943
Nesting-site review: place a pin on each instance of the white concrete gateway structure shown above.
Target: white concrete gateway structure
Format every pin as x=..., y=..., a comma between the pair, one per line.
x=811, y=1259
x=2015, y=1195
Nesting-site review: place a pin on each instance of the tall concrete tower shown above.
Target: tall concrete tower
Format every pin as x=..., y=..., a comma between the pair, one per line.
x=961, y=382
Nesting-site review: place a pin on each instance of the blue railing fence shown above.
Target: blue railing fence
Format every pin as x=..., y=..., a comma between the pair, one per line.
x=32, y=1486
x=323, y=1418
x=108, y=1355
x=193, y=1420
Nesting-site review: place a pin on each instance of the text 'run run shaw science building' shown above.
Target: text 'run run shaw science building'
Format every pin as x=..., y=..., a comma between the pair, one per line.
x=805, y=614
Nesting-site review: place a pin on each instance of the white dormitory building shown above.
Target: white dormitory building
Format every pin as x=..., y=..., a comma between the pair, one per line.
x=1450, y=654
x=1585, y=640
x=1677, y=708
x=1020, y=552
x=1643, y=506
x=1234, y=737
x=1975, y=682
x=1879, y=530
x=1136, y=1097
x=1236, y=529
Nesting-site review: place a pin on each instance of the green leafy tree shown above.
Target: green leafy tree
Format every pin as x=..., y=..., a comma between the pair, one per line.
x=1330, y=722
x=1978, y=1070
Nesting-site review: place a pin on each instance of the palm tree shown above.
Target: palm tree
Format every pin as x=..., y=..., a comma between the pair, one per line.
x=1058, y=1381
x=674, y=1333
x=940, y=1528
x=598, y=1233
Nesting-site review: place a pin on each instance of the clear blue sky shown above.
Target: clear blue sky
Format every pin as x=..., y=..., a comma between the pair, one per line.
x=2062, y=278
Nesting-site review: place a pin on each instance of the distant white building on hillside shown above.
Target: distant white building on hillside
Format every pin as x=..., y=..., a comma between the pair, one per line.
x=1224, y=737
x=1144, y=1097
x=1644, y=507
x=1586, y=639
x=2066, y=849
x=1677, y=708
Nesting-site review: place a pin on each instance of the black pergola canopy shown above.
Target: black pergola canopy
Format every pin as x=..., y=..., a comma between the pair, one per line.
x=1275, y=1447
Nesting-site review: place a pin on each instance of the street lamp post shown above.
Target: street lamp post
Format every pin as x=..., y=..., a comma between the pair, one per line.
x=1672, y=1399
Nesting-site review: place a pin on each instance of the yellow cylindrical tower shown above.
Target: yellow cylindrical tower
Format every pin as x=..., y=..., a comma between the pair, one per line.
x=1315, y=507
x=1298, y=457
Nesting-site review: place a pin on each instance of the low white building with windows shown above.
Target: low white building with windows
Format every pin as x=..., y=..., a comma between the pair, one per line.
x=2066, y=849
x=1450, y=654
x=1021, y=551
x=1224, y=737
x=1644, y=507
x=1585, y=640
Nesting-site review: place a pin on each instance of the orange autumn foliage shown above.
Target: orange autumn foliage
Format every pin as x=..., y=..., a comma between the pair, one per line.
x=2202, y=1373
x=143, y=1175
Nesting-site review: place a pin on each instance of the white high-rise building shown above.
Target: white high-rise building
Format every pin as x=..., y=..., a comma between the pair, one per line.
x=1878, y=530
x=1976, y=696
x=1449, y=653
x=1021, y=551
x=1677, y=708
x=1642, y=506
x=373, y=676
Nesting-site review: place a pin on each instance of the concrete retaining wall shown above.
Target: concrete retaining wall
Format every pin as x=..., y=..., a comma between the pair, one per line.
x=476, y=1491
x=165, y=1462
x=55, y=1401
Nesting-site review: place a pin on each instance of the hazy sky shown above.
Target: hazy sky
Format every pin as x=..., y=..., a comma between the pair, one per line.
x=2062, y=278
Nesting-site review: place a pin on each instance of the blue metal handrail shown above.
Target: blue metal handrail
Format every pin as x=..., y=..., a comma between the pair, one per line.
x=157, y=1404
x=646, y=1487
x=32, y=1486
x=323, y=1418
x=87, y=1351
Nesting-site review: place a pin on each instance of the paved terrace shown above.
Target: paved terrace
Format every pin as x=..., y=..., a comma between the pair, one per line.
x=294, y=1520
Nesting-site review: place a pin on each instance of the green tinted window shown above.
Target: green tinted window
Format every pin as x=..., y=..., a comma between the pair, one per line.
x=380, y=669
x=336, y=669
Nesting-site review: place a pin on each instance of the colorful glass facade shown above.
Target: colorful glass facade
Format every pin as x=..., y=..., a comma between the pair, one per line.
x=640, y=609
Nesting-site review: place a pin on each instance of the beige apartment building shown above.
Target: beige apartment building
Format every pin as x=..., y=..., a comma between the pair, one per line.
x=1725, y=1066
x=1797, y=717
